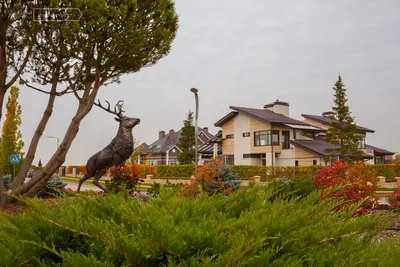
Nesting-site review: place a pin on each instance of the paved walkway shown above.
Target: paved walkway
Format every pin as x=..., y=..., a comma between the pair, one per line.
x=74, y=185
x=84, y=187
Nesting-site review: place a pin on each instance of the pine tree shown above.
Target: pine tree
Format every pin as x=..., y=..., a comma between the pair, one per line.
x=11, y=138
x=40, y=163
x=187, y=141
x=342, y=131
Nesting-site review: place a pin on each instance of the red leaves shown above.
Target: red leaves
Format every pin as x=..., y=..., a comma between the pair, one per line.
x=356, y=183
x=122, y=176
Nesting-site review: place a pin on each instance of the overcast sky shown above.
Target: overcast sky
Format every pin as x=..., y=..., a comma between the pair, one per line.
x=249, y=53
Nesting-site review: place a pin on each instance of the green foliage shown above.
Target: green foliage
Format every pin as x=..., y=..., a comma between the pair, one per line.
x=297, y=187
x=387, y=170
x=54, y=187
x=229, y=178
x=246, y=228
x=7, y=180
x=396, y=159
x=187, y=141
x=174, y=170
x=11, y=138
x=268, y=173
x=342, y=131
x=155, y=188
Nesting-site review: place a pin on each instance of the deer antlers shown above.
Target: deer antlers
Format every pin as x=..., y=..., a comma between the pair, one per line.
x=117, y=109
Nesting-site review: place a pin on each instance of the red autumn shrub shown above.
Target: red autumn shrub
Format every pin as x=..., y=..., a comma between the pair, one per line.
x=394, y=200
x=355, y=184
x=122, y=176
x=213, y=177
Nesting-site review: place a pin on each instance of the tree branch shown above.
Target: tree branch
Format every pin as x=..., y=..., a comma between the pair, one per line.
x=21, y=68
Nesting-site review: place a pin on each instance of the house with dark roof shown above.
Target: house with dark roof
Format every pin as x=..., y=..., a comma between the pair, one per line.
x=166, y=149
x=270, y=137
x=377, y=155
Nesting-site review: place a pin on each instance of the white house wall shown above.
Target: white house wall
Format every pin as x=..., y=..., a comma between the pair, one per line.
x=241, y=144
x=285, y=158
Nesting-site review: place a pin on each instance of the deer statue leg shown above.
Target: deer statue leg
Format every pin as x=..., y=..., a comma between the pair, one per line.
x=84, y=178
x=97, y=177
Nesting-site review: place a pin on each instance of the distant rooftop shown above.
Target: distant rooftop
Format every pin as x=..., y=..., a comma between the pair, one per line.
x=327, y=120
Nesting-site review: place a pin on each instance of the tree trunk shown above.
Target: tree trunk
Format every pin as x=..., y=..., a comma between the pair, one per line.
x=30, y=156
x=38, y=182
x=3, y=76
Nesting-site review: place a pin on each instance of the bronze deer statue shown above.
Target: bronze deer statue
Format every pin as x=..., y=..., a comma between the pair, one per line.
x=117, y=152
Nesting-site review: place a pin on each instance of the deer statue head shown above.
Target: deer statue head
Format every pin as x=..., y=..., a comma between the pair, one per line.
x=126, y=122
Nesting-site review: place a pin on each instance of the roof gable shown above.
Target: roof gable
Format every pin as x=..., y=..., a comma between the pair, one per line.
x=260, y=114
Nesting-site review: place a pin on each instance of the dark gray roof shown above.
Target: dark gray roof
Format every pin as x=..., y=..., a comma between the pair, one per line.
x=226, y=118
x=326, y=120
x=319, y=147
x=144, y=145
x=261, y=114
x=379, y=151
x=164, y=144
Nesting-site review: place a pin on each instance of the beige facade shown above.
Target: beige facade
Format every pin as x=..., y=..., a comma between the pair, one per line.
x=241, y=144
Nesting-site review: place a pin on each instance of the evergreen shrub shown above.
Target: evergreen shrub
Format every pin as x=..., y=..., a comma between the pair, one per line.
x=249, y=227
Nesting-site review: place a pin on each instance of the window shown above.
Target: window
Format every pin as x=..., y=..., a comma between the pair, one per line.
x=379, y=159
x=247, y=134
x=296, y=163
x=229, y=159
x=285, y=139
x=173, y=162
x=229, y=136
x=153, y=162
x=314, y=162
x=266, y=138
x=253, y=156
x=361, y=143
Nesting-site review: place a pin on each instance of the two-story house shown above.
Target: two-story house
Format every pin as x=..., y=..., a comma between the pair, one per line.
x=270, y=137
x=166, y=149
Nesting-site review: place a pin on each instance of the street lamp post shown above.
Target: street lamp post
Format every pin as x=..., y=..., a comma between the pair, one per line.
x=58, y=140
x=195, y=91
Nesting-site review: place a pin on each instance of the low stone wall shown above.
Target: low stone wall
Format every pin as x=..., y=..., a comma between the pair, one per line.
x=151, y=180
x=383, y=184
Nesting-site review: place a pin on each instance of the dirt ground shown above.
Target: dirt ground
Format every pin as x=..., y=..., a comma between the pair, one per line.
x=14, y=208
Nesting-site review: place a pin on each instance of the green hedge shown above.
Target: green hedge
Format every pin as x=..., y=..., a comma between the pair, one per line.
x=387, y=170
x=265, y=172
x=174, y=170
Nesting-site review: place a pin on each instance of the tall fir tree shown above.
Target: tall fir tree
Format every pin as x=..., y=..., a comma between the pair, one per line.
x=11, y=137
x=343, y=131
x=40, y=163
x=187, y=141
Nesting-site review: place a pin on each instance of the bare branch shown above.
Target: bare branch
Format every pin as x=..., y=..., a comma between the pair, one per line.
x=35, y=88
x=21, y=68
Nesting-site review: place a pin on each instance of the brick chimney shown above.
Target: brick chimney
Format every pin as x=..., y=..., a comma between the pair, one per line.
x=278, y=107
x=205, y=130
x=161, y=134
x=327, y=114
x=172, y=135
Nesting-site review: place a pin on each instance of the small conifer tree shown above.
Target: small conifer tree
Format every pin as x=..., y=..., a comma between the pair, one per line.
x=187, y=141
x=343, y=131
